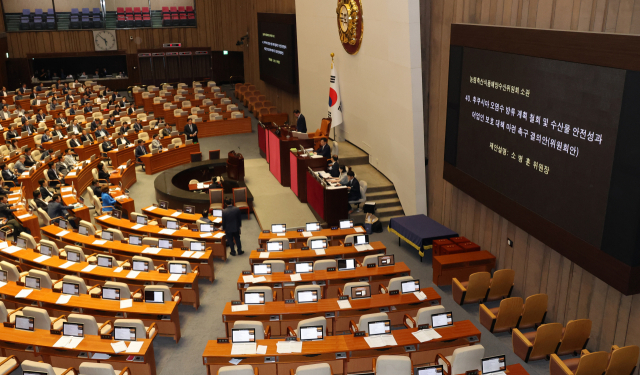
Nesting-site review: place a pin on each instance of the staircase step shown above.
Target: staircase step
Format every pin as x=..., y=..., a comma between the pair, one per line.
x=386, y=219
x=357, y=160
x=383, y=203
x=377, y=195
x=375, y=189
x=389, y=211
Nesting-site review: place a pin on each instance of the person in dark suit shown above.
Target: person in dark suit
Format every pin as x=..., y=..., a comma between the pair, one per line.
x=57, y=209
x=334, y=168
x=191, y=131
x=46, y=137
x=8, y=175
x=231, y=223
x=61, y=120
x=73, y=110
x=301, y=123
x=74, y=142
x=122, y=140
x=353, y=185
x=40, y=203
x=102, y=174
x=88, y=108
x=23, y=89
x=30, y=129
x=94, y=124
x=4, y=113
x=100, y=132
x=57, y=132
x=11, y=133
x=54, y=175
x=125, y=127
x=95, y=187
x=4, y=92
x=166, y=132
x=130, y=111
x=40, y=116
x=107, y=145
x=29, y=161
x=324, y=149
x=85, y=100
x=137, y=127
x=86, y=136
x=111, y=121
x=44, y=189
x=6, y=213
x=140, y=150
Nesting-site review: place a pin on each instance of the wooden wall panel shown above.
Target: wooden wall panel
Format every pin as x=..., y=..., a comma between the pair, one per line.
x=573, y=292
x=220, y=24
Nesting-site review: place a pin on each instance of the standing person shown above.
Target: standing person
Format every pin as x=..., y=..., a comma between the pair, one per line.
x=231, y=223
x=191, y=131
x=55, y=209
x=301, y=123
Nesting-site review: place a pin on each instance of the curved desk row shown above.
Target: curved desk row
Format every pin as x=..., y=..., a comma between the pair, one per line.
x=331, y=252
x=155, y=163
x=298, y=237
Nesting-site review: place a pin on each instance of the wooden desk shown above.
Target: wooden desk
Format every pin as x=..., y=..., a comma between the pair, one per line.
x=30, y=221
x=327, y=204
x=86, y=152
x=329, y=281
x=30, y=182
x=119, y=157
x=297, y=237
x=299, y=166
x=217, y=128
x=82, y=178
x=187, y=285
x=461, y=266
x=357, y=353
x=169, y=159
x=194, y=187
x=38, y=346
x=69, y=197
x=218, y=245
x=158, y=213
x=125, y=251
x=290, y=314
x=331, y=252
x=59, y=145
x=101, y=309
x=279, y=147
x=125, y=176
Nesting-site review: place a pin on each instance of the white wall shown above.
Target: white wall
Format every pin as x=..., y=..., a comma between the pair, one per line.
x=381, y=87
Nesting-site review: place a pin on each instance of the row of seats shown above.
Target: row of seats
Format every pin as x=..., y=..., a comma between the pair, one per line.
x=12, y=363
x=253, y=100
x=37, y=20
x=178, y=16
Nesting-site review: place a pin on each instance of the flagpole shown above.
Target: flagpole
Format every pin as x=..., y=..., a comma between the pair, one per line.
x=334, y=129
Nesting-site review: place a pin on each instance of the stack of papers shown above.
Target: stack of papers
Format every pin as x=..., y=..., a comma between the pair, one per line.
x=67, y=265
x=358, y=230
x=89, y=268
x=68, y=342
x=344, y=304
x=99, y=242
x=24, y=293
x=24, y=216
x=380, y=341
x=235, y=361
x=176, y=214
x=307, y=234
x=364, y=247
x=426, y=335
x=151, y=208
x=167, y=231
x=420, y=295
x=262, y=349
x=101, y=356
x=11, y=249
x=243, y=349
x=219, y=235
x=280, y=234
x=63, y=299
x=203, y=235
x=134, y=347
x=104, y=217
x=217, y=220
x=200, y=185
x=296, y=277
x=151, y=250
x=197, y=254
x=289, y=346
x=259, y=279
x=239, y=308
x=137, y=226
x=247, y=278
x=119, y=346
x=41, y=258
x=2, y=283
x=187, y=254
x=126, y=303
x=118, y=270
x=63, y=233
x=133, y=274
x=174, y=277
x=264, y=255
x=320, y=252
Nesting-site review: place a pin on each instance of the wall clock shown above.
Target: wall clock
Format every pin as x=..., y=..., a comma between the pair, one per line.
x=350, y=24
x=105, y=40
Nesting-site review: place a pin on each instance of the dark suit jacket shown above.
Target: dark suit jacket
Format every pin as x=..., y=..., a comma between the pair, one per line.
x=41, y=204
x=137, y=127
x=29, y=162
x=94, y=125
x=6, y=211
x=189, y=129
x=325, y=151
x=61, y=121
x=28, y=128
x=101, y=133
x=130, y=110
x=11, y=134
x=87, y=137
x=354, y=192
x=8, y=175
x=107, y=146
x=140, y=150
x=88, y=109
x=335, y=170
x=53, y=174
x=72, y=111
x=46, y=138
x=121, y=141
x=231, y=219
x=111, y=123
x=56, y=209
x=75, y=143
x=40, y=117
x=301, y=124
x=103, y=175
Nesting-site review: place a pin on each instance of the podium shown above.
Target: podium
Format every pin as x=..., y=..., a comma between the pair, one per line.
x=278, y=153
x=330, y=205
x=299, y=165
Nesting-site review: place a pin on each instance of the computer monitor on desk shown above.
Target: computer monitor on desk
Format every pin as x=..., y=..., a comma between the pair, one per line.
x=495, y=365
x=386, y=260
x=275, y=246
x=216, y=213
x=410, y=286
x=70, y=288
x=3, y=276
x=307, y=296
x=106, y=235
x=197, y=246
x=361, y=292
x=380, y=327
x=313, y=227
x=243, y=335
x=311, y=333
x=109, y=293
x=346, y=264
x=142, y=220
x=32, y=282
x=165, y=244
x=254, y=298
x=444, y=319
x=346, y=224
x=318, y=244
x=304, y=267
x=207, y=228
x=428, y=370
x=104, y=261
x=278, y=228
x=73, y=329
x=262, y=269
x=153, y=296
x=124, y=333
x=134, y=240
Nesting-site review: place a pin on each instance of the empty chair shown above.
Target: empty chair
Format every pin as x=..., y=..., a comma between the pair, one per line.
x=166, y=219
x=90, y=327
x=8, y=364
x=29, y=240
x=472, y=291
x=501, y=284
x=622, y=361
x=307, y=288
x=363, y=323
x=90, y=368
x=575, y=337
x=315, y=369
x=216, y=199
x=144, y=259
x=39, y=367
x=423, y=317
x=177, y=142
x=13, y=272
x=82, y=286
x=370, y=259
x=347, y=290
x=41, y=318
x=539, y=344
x=502, y=318
x=276, y=265
x=7, y=315
x=462, y=360
x=238, y=370
x=269, y=294
x=395, y=284
x=125, y=292
x=313, y=238
x=311, y=322
x=91, y=230
x=114, y=261
x=45, y=279
x=392, y=365
x=285, y=242
x=184, y=263
x=153, y=242
x=260, y=332
x=323, y=264
x=117, y=234
x=588, y=364
x=77, y=251
x=142, y=332
x=240, y=200
x=534, y=311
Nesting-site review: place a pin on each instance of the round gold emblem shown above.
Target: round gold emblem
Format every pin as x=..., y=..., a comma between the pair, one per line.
x=350, y=24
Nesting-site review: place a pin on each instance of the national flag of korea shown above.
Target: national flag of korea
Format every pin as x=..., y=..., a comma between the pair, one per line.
x=335, y=103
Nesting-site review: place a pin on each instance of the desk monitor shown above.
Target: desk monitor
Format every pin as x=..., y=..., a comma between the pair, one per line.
x=254, y=298
x=25, y=323
x=34, y=373
x=386, y=260
x=73, y=329
x=311, y=333
x=124, y=333
x=82, y=230
x=140, y=265
x=134, y=240
x=117, y=214
x=380, y=327
x=306, y=296
x=494, y=364
x=346, y=224
x=106, y=235
x=189, y=209
x=153, y=296
x=163, y=204
x=207, y=227
x=21, y=243
x=163, y=243
x=110, y=293
x=173, y=224
x=304, y=267
x=361, y=239
x=243, y=335
x=410, y=286
x=197, y=246
x=63, y=224
x=3, y=234
x=216, y=213
x=428, y=370
x=73, y=256
x=361, y=292
x=262, y=269
x=313, y=227
x=346, y=264
x=275, y=246
x=3, y=276
x=178, y=268
x=141, y=220
x=442, y=320
x=278, y=228
x=318, y=244
x=32, y=282
x=104, y=261
x=70, y=288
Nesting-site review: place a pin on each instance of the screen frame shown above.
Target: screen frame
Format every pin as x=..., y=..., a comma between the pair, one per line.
x=393, y=258
x=379, y=321
x=296, y=266
x=135, y=333
x=262, y=264
x=75, y=324
x=315, y=327
x=286, y=19
x=30, y=318
x=418, y=368
x=492, y=357
x=442, y=313
x=110, y=288
x=245, y=298
x=305, y=291
x=243, y=329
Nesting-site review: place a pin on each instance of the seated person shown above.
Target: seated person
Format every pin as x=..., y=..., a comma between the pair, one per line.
x=86, y=137
x=334, y=167
x=97, y=190
x=45, y=192
x=108, y=203
x=102, y=174
x=6, y=213
x=40, y=203
x=56, y=209
x=46, y=137
x=7, y=174
x=74, y=142
x=11, y=133
x=354, y=190
x=324, y=149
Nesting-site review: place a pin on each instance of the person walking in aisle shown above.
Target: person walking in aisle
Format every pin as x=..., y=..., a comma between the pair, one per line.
x=231, y=223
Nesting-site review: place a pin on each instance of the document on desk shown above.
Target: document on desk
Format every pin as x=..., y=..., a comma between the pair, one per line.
x=320, y=252
x=41, y=258
x=176, y=214
x=167, y=231
x=259, y=279
x=289, y=346
x=217, y=220
x=264, y=255
x=151, y=250
x=426, y=335
x=119, y=346
x=200, y=185
x=134, y=347
x=3, y=245
x=344, y=304
x=380, y=341
x=133, y=274
x=63, y=233
x=262, y=349
x=420, y=295
x=235, y=361
x=359, y=229
x=63, y=299
x=243, y=349
x=99, y=242
x=67, y=265
x=24, y=293
x=118, y=270
x=2, y=283
x=137, y=226
x=307, y=234
x=203, y=235
x=126, y=303
x=296, y=277
x=11, y=249
x=363, y=247
x=197, y=254
x=74, y=342
x=247, y=278
x=187, y=254
x=105, y=217
x=21, y=217
x=89, y=268
x=151, y=208
x=281, y=234
x=174, y=277
x=62, y=342
x=69, y=188
x=237, y=308
x=219, y=235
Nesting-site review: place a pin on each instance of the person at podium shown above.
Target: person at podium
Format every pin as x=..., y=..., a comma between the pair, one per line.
x=324, y=149
x=301, y=123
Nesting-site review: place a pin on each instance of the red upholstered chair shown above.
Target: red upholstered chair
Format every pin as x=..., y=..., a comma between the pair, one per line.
x=175, y=19
x=181, y=9
x=189, y=9
x=240, y=200
x=166, y=19
x=128, y=10
x=145, y=9
x=136, y=10
x=174, y=9
x=120, y=11
x=183, y=19
x=165, y=9
x=214, y=154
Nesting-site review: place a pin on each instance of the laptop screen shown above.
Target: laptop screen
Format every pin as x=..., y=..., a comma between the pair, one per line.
x=311, y=333
x=305, y=296
x=216, y=213
x=318, y=244
x=32, y=282
x=104, y=261
x=442, y=320
x=346, y=264
x=262, y=269
x=197, y=246
x=386, y=260
x=73, y=329
x=124, y=334
x=134, y=240
x=410, y=286
x=189, y=209
x=346, y=224
x=380, y=327
x=275, y=246
x=278, y=228
x=153, y=296
x=62, y=224
x=243, y=335
x=361, y=292
x=140, y=265
x=141, y=220
x=173, y=224
x=362, y=239
x=70, y=288
x=25, y=323
x=3, y=276
x=494, y=364
x=111, y=293
x=106, y=235
x=73, y=256
x=254, y=298
x=163, y=204
x=34, y=373
x=206, y=227
x=312, y=227
x=165, y=244
x=21, y=243
x=304, y=267
x=117, y=214
x=82, y=230
x=428, y=370
x=177, y=268
x=45, y=250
